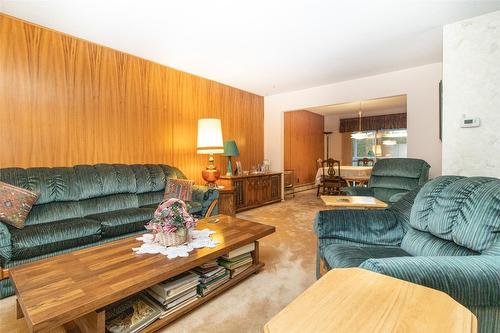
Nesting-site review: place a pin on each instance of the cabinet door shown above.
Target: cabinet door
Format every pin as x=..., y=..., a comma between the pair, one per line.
x=239, y=193
x=275, y=188
x=251, y=191
x=265, y=189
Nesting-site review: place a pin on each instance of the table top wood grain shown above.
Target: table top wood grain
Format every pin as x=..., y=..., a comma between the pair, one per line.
x=349, y=300
x=59, y=289
x=352, y=201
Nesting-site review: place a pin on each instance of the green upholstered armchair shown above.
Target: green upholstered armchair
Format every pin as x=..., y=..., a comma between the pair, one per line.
x=451, y=242
x=391, y=178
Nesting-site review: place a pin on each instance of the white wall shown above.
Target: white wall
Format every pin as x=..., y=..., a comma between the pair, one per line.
x=471, y=87
x=420, y=84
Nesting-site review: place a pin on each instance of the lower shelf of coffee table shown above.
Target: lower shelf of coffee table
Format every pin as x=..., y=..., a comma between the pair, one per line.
x=159, y=323
x=162, y=322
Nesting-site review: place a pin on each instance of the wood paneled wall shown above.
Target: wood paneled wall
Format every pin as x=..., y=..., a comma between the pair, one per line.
x=304, y=144
x=346, y=148
x=66, y=101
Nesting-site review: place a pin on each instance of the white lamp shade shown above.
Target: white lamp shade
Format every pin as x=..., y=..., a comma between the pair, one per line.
x=210, y=136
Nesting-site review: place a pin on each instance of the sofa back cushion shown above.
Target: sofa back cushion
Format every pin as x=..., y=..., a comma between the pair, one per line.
x=105, y=179
x=464, y=211
x=150, y=177
x=53, y=184
x=396, y=175
x=71, y=192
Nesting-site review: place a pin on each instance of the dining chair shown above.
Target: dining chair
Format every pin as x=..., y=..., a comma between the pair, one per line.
x=365, y=162
x=331, y=182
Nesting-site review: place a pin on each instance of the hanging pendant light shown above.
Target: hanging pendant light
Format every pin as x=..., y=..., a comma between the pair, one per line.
x=359, y=135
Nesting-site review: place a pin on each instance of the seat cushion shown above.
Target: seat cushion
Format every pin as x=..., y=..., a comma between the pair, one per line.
x=347, y=255
x=39, y=239
x=123, y=221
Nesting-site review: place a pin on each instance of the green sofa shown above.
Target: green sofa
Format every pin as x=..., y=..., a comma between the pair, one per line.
x=448, y=239
x=86, y=205
x=391, y=178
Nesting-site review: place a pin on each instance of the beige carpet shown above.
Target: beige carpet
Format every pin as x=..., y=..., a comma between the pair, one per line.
x=289, y=255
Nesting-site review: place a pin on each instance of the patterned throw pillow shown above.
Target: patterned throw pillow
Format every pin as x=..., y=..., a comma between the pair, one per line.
x=178, y=188
x=15, y=204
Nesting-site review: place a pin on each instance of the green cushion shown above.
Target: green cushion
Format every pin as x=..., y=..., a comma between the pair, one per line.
x=392, y=182
x=400, y=167
x=39, y=239
x=108, y=203
x=122, y=221
x=54, y=211
x=419, y=243
x=53, y=184
x=150, y=177
x=345, y=255
x=150, y=198
x=465, y=211
x=105, y=179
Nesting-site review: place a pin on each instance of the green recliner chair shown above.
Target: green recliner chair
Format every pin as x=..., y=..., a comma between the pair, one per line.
x=450, y=241
x=391, y=178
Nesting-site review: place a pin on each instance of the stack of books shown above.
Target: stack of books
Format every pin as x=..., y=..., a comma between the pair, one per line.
x=211, y=278
x=132, y=314
x=175, y=293
x=238, y=261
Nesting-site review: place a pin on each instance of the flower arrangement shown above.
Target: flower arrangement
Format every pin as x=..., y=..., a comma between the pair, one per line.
x=171, y=223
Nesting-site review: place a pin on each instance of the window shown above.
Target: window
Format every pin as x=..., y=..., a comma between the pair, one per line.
x=379, y=144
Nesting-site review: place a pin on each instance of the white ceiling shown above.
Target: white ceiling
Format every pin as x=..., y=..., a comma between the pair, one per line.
x=369, y=107
x=263, y=46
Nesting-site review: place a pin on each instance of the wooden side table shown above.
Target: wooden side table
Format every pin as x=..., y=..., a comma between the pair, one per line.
x=352, y=201
x=348, y=300
x=227, y=204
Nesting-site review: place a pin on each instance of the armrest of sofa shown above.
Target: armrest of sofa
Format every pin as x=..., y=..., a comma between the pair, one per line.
x=358, y=190
x=375, y=227
x=206, y=197
x=471, y=280
x=5, y=245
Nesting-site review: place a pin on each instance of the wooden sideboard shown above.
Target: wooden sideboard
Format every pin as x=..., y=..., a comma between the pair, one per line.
x=253, y=190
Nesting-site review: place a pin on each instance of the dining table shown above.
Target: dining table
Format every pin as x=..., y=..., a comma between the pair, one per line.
x=352, y=174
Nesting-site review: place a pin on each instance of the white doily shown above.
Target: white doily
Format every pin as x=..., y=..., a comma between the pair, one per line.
x=199, y=239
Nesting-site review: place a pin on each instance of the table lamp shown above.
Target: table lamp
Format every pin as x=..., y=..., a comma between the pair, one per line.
x=210, y=142
x=230, y=149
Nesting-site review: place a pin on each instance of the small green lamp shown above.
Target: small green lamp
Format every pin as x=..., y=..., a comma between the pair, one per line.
x=230, y=149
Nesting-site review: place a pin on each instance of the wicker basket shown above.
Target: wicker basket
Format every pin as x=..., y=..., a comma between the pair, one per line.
x=172, y=238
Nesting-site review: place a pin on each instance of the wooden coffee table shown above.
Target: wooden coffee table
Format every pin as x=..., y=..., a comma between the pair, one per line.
x=352, y=201
x=349, y=300
x=68, y=292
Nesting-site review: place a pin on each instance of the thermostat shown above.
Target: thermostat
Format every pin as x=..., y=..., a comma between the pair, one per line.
x=470, y=122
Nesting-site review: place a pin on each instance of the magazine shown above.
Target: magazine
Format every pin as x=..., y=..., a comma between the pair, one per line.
x=131, y=314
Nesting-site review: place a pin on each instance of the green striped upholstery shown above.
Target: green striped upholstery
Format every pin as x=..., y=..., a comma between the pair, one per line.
x=451, y=242
x=392, y=176
x=345, y=255
x=372, y=227
x=465, y=211
x=471, y=280
x=81, y=205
